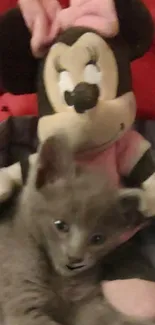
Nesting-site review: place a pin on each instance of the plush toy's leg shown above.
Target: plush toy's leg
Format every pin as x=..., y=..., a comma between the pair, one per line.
x=149, y=190
x=6, y=186
x=11, y=177
x=147, y=129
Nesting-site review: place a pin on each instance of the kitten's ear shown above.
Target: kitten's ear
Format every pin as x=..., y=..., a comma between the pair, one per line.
x=133, y=204
x=54, y=161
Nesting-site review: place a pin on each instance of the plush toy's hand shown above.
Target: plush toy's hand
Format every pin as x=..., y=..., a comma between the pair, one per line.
x=6, y=185
x=39, y=16
x=149, y=195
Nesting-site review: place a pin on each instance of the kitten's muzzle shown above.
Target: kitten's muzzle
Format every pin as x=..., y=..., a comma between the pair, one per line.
x=75, y=263
x=74, y=267
x=74, y=260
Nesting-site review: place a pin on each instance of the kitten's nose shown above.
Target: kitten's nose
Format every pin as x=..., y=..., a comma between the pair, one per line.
x=74, y=260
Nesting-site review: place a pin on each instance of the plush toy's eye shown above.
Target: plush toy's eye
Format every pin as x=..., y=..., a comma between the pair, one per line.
x=65, y=84
x=93, y=55
x=92, y=74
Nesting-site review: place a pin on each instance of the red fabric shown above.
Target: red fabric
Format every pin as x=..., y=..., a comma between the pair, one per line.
x=64, y=3
x=143, y=71
x=11, y=105
x=7, y=4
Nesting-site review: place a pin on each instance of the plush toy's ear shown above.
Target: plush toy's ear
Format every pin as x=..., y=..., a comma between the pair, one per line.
x=136, y=26
x=18, y=68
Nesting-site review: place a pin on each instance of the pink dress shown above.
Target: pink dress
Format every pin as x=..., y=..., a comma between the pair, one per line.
x=121, y=157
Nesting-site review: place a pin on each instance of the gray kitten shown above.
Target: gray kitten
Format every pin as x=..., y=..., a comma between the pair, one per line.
x=52, y=250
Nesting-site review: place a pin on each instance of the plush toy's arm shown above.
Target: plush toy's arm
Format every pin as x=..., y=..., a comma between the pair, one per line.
x=13, y=176
x=136, y=166
x=142, y=171
x=143, y=175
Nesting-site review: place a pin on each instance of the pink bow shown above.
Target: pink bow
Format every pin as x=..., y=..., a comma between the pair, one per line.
x=97, y=14
x=45, y=19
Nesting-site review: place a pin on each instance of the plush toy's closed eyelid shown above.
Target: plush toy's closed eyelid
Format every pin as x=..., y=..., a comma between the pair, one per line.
x=92, y=62
x=58, y=66
x=93, y=54
x=55, y=53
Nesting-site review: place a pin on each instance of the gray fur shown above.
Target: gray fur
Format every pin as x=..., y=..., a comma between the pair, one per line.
x=36, y=287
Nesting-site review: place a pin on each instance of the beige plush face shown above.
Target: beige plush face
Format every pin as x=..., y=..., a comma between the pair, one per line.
x=88, y=60
x=81, y=83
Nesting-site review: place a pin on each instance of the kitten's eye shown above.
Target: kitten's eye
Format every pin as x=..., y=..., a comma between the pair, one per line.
x=61, y=226
x=97, y=239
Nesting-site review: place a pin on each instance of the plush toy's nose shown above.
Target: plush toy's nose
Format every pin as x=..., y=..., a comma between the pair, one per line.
x=85, y=96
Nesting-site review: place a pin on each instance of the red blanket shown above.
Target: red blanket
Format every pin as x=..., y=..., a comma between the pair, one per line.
x=143, y=71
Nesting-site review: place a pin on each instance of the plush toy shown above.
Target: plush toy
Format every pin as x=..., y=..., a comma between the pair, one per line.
x=143, y=74
x=84, y=87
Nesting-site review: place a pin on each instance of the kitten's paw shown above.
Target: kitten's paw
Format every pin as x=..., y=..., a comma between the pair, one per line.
x=6, y=186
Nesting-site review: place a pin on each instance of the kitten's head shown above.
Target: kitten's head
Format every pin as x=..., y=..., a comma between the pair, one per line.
x=73, y=212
